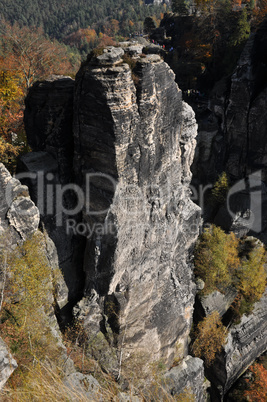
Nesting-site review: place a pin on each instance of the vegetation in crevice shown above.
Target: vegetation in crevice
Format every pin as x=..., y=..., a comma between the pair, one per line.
x=222, y=261
x=209, y=338
x=26, y=306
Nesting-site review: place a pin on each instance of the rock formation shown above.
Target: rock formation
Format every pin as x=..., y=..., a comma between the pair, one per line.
x=246, y=341
x=19, y=220
x=48, y=118
x=48, y=121
x=188, y=376
x=134, y=141
x=245, y=124
x=129, y=151
x=7, y=364
x=232, y=135
x=142, y=139
x=233, y=138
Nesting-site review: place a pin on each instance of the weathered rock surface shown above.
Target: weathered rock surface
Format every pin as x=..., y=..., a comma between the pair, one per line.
x=245, y=124
x=233, y=126
x=16, y=208
x=137, y=144
x=19, y=220
x=7, y=364
x=246, y=341
x=216, y=301
x=111, y=55
x=83, y=386
x=133, y=147
x=188, y=376
x=123, y=397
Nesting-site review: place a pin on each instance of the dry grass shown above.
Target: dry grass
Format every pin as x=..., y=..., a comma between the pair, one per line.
x=46, y=383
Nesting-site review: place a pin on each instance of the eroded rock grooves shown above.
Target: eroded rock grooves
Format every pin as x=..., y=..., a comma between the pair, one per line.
x=144, y=139
x=134, y=141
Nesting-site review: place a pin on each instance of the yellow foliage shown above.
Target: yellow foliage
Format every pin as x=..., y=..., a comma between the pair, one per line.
x=220, y=189
x=10, y=89
x=217, y=262
x=252, y=275
x=31, y=273
x=28, y=296
x=186, y=396
x=7, y=151
x=210, y=336
x=216, y=258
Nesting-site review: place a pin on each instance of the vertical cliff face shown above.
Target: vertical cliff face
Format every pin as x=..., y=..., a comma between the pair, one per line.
x=233, y=131
x=235, y=141
x=48, y=122
x=246, y=341
x=245, y=123
x=135, y=143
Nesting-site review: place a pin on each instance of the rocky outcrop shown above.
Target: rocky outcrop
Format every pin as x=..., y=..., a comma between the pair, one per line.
x=17, y=211
x=187, y=379
x=232, y=138
x=216, y=301
x=246, y=341
x=82, y=386
x=134, y=141
x=245, y=124
x=134, y=146
x=7, y=364
x=19, y=220
x=234, y=126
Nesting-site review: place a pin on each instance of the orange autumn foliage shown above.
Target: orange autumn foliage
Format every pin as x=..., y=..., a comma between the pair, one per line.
x=236, y=5
x=210, y=337
x=260, y=11
x=11, y=114
x=105, y=41
x=33, y=55
x=257, y=391
x=76, y=38
x=111, y=27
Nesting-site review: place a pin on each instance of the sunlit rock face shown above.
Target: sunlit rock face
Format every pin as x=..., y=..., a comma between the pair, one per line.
x=134, y=144
x=246, y=341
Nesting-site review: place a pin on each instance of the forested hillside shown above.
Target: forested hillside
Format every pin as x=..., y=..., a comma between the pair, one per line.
x=62, y=17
